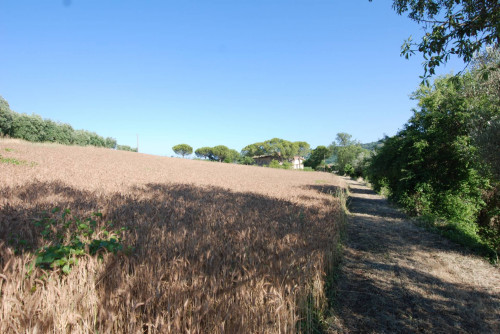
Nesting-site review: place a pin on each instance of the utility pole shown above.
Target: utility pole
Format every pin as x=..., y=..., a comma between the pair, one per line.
x=137, y=142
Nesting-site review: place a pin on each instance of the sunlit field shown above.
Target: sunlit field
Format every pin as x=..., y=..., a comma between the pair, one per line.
x=207, y=247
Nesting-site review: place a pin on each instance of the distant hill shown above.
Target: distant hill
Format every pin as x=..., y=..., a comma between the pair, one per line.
x=373, y=145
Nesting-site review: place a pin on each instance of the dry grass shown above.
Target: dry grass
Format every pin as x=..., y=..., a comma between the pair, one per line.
x=218, y=248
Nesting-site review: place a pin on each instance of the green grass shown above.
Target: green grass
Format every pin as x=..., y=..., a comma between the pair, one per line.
x=12, y=161
x=460, y=234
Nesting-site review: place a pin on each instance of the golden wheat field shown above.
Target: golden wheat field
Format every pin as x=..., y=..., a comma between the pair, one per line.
x=211, y=247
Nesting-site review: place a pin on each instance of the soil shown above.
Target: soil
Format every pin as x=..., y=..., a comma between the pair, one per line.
x=397, y=277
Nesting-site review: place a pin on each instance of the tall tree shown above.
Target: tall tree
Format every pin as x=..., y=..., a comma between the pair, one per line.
x=318, y=156
x=303, y=148
x=203, y=152
x=346, y=152
x=6, y=116
x=182, y=149
x=452, y=27
x=220, y=153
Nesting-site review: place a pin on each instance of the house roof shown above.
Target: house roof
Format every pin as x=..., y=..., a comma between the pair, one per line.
x=296, y=157
x=263, y=156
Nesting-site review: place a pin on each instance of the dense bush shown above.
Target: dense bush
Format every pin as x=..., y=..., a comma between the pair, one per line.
x=36, y=129
x=274, y=164
x=433, y=167
x=283, y=165
x=348, y=155
x=126, y=148
x=317, y=157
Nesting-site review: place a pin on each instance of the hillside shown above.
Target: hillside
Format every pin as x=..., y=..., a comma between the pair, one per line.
x=208, y=247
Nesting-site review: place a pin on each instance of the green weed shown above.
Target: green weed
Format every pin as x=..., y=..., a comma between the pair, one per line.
x=12, y=161
x=70, y=238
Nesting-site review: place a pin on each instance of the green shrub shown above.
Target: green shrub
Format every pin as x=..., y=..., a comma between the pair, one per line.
x=12, y=161
x=244, y=160
x=348, y=170
x=433, y=166
x=274, y=164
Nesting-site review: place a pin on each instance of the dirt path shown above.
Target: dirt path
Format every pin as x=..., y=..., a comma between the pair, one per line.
x=399, y=278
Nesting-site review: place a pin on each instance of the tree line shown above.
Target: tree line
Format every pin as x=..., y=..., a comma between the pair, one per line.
x=36, y=129
x=444, y=165
x=344, y=156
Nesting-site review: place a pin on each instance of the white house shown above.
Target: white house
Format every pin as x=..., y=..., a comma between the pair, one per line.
x=297, y=162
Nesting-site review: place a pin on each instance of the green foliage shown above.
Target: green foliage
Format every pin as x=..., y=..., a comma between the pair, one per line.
x=317, y=157
x=348, y=170
x=12, y=161
x=348, y=152
x=373, y=145
x=283, y=165
x=182, y=149
x=6, y=116
x=70, y=238
x=126, y=148
x=36, y=129
x=452, y=27
x=243, y=160
x=110, y=143
x=219, y=153
x=203, y=152
x=433, y=166
x=303, y=148
x=274, y=164
x=280, y=148
x=232, y=156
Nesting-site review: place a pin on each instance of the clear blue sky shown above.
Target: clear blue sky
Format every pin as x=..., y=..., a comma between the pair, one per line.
x=211, y=72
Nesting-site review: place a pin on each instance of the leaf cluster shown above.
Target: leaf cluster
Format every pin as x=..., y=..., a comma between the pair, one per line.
x=281, y=149
x=280, y=165
x=437, y=165
x=68, y=238
x=452, y=27
x=317, y=157
x=218, y=153
x=182, y=149
x=348, y=154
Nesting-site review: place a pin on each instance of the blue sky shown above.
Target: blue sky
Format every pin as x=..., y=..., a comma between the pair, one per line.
x=211, y=72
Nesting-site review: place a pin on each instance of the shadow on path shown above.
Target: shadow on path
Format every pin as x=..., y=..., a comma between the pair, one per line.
x=399, y=278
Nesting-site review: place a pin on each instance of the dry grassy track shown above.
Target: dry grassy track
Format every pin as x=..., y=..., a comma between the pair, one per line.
x=398, y=278
x=218, y=248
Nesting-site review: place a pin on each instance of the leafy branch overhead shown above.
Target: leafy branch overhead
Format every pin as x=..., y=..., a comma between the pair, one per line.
x=452, y=27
